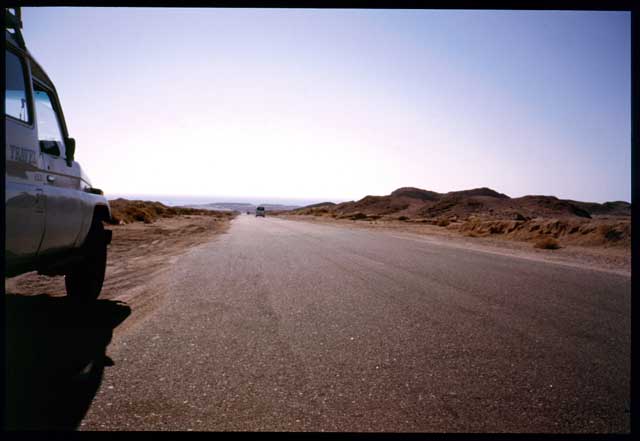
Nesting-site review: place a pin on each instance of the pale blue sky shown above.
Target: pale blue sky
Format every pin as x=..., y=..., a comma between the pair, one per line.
x=338, y=104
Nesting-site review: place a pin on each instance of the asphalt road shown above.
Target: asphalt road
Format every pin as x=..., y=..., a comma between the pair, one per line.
x=290, y=326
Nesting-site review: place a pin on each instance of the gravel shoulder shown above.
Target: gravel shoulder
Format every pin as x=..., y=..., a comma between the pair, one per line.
x=138, y=257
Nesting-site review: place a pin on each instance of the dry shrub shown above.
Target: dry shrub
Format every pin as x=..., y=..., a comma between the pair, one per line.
x=611, y=233
x=548, y=233
x=442, y=222
x=357, y=216
x=574, y=229
x=587, y=228
x=547, y=243
x=496, y=228
x=126, y=211
x=403, y=218
x=514, y=226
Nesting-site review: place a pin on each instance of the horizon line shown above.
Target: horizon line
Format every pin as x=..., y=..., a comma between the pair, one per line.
x=335, y=199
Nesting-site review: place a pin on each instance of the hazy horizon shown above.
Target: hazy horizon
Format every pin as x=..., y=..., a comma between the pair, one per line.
x=315, y=105
x=182, y=199
x=169, y=199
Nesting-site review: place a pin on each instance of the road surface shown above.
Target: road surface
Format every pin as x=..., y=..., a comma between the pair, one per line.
x=292, y=326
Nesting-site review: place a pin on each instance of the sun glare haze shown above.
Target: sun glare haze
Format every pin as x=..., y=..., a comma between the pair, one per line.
x=337, y=104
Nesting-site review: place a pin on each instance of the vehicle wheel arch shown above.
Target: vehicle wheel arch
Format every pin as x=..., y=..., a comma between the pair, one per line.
x=102, y=213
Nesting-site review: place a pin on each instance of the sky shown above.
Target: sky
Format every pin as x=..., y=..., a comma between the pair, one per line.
x=315, y=104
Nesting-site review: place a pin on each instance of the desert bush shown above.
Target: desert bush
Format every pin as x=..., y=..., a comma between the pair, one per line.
x=547, y=243
x=125, y=211
x=587, y=228
x=403, y=218
x=442, y=222
x=496, y=228
x=574, y=229
x=611, y=233
x=513, y=226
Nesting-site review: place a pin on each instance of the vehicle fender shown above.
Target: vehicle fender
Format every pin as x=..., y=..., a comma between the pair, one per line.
x=97, y=207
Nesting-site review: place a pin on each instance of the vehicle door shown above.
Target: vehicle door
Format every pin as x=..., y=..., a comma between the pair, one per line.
x=24, y=178
x=62, y=185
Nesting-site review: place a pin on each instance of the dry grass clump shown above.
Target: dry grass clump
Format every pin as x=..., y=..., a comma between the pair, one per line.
x=312, y=211
x=614, y=233
x=353, y=216
x=443, y=222
x=547, y=243
x=578, y=232
x=358, y=216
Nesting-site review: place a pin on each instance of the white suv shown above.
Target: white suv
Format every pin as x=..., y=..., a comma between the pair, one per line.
x=53, y=215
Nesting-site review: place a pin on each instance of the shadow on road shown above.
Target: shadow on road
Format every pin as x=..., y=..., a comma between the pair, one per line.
x=55, y=356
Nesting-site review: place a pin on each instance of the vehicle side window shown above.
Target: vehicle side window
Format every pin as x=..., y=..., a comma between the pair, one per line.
x=15, y=101
x=49, y=132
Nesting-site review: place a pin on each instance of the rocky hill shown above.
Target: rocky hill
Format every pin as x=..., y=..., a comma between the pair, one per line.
x=483, y=212
x=416, y=203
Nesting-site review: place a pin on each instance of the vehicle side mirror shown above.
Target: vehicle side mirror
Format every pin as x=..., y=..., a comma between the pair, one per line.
x=71, y=150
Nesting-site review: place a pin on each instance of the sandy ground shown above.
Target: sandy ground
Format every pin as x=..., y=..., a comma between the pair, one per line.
x=139, y=253
x=616, y=259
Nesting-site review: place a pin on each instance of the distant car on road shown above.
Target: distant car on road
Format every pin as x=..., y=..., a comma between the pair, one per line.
x=260, y=212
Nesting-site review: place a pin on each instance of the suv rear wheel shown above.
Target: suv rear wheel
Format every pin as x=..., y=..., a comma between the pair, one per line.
x=84, y=281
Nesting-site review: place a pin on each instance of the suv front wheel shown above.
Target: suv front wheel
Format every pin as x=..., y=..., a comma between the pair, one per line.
x=84, y=281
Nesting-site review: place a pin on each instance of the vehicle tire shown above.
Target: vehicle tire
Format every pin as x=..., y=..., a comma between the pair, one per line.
x=84, y=281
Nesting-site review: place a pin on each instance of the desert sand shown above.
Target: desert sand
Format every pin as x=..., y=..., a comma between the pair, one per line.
x=139, y=252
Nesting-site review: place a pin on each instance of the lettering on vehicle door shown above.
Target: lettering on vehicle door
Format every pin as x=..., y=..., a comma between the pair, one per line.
x=22, y=154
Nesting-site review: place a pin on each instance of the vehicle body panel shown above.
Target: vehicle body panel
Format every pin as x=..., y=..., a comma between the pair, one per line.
x=49, y=202
x=24, y=182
